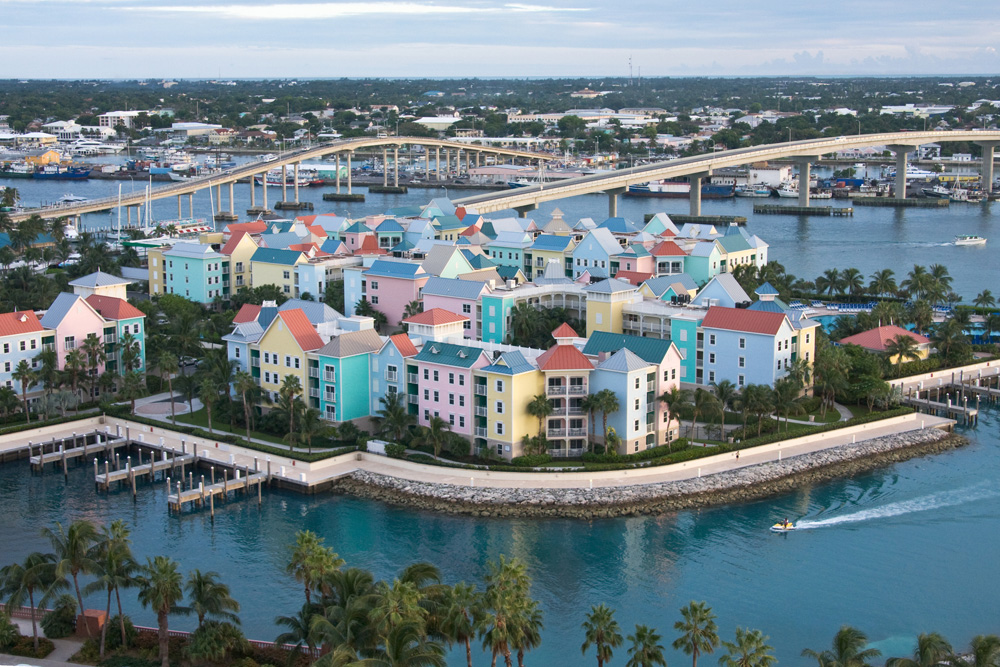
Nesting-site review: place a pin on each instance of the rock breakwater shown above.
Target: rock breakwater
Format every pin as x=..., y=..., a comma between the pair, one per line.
x=739, y=485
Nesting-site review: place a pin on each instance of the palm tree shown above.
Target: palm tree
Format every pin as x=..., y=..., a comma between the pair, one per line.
x=26, y=377
x=160, y=590
x=311, y=562
x=985, y=652
x=413, y=308
x=48, y=371
x=208, y=392
x=130, y=351
x=540, y=407
x=591, y=405
x=19, y=582
x=434, y=434
x=750, y=649
x=786, y=399
x=93, y=349
x=505, y=599
x=674, y=400
x=608, y=402
x=991, y=325
x=901, y=347
x=290, y=388
x=210, y=597
x=883, y=283
x=74, y=554
x=852, y=280
x=168, y=365
x=75, y=366
x=932, y=650
x=725, y=393
x=985, y=299
x=949, y=339
x=299, y=632
x=601, y=631
x=311, y=425
x=940, y=274
x=849, y=650
x=393, y=418
x=829, y=282
x=922, y=315
x=115, y=570
x=918, y=281
x=698, y=631
x=406, y=644
x=245, y=385
x=8, y=401
x=703, y=402
x=646, y=650
x=462, y=613
x=133, y=387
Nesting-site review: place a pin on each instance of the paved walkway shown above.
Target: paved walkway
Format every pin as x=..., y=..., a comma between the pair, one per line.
x=64, y=648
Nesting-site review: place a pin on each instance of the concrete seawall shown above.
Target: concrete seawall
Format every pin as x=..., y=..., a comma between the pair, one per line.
x=737, y=485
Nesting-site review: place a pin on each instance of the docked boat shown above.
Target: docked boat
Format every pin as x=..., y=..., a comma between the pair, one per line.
x=783, y=527
x=962, y=195
x=936, y=192
x=680, y=190
x=17, y=170
x=57, y=172
x=970, y=239
x=70, y=198
x=757, y=192
x=822, y=194
x=788, y=192
x=306, y=178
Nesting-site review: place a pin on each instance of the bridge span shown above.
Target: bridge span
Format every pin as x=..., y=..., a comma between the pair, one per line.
x=698, y=167
x=454, y=153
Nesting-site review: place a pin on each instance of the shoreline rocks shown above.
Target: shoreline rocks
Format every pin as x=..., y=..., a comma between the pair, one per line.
x=741, y=485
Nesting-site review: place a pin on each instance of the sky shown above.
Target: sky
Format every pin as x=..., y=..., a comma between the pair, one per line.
x=493, y=38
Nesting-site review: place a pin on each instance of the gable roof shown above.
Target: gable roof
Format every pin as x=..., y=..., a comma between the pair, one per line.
x=623, y=361
x=317, y=311
x=276, y=256
x=435, y=317
x=604, y=239
x=619, y=225
x=453, y=287
x=301, y=329
x=565, y=331
x=113, y=308
x=667, y=249
x=369, y=246
x=563, y=358
x=448, y=354
x=396, y=269
x=634, y=250
x=661, y=284
x=19, y=322
x=255, y=227
x=352, y=343
x=510, y=363
x=609, y=286
x=403, y=344
x=729, y=284
x=742, y=319
x=98, y=279
x=651, y=350
x=550, y=243
x=389, y=225
x=248, y=313
x=877, y=338
x=233, y=241
x=60, y=308
x=766, y=288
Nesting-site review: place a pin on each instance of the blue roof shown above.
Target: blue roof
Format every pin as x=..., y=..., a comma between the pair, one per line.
x=356, y=228
x=651, y=350
x=766, y=307
x=620, y=225
x=402, y=246
x=462, y=356
x=453, y=287
x=276, y=256
x=381, y=267
x=405, y=211
x=509, y=272
x=59, y=309
x=477, y=260
x=661, y=284
x=766, y=288
x=389, y=225
x=551, y=243
x=510, y=363
x=331, y=246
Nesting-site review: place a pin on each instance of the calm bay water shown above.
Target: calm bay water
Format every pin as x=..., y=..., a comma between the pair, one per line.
x=907, y=549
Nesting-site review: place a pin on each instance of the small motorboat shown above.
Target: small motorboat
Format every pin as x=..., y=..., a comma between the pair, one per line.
x=970, y=239
x=784, y=527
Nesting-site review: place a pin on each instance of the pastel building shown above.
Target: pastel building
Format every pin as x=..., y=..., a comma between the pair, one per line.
x=445, y=377
x=606, y=301
x=281, y=350
x=549, y=249
x=195, y=271
x=122, y=320
x=389, y=370
x=388, y=285
x=462, y=297
x=593, y=255
x=22, y=338
x=72, y=321
x=342, y=383
x=276, y=266
x=501, y=394
x=745, y=346
x=566, y=375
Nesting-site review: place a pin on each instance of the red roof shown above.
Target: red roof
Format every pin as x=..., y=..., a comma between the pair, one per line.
x=316, y=230
x=19, y=322
x=307, y=248
x=563, y=358
x=369, y=246
x=308, y=220
x=877, y=338
x=434, y=317
x=742, y=319
x=564, y=331
x=668, y=233
x=301, y=329
x=113, y=308
x=460, y=212
x=255, y=227
x=634, y=277
x=667, y=249
x=233, y=241
x=470, y=230
x=248, y=313
x=403, y=344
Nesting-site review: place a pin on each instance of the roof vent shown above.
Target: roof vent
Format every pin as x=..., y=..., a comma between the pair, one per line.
x=462, y=354
x=23, y=318
x=434, y=349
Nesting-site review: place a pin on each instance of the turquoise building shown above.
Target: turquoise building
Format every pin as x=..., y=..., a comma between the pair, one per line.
x=339, y=380
x=196, y=271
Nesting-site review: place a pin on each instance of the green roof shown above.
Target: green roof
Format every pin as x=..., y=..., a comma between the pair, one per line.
x=447, y=354
x=276, y=256
x=652, y=350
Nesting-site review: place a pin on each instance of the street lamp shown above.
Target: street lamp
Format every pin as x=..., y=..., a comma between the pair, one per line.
x=859, y=126
x=789, y=135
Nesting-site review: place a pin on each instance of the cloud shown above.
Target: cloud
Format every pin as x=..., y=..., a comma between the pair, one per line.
x=330, y=10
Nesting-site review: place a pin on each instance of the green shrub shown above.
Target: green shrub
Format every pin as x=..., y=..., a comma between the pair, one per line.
x=9, y=632
x=531, y=460
x=657, y=452
x=127, y=661
x=154, y=383
x=420, y=458
x=113, y=640
x=24, y=646
x=89, y=653
x=395, y=451
x=61, y=621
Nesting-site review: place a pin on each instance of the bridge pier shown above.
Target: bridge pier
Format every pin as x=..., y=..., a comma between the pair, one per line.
x=986, y=171
x=613, y=201
x=478, y=154
x=284, y=182
x=232, y=206
x=900, y=152
x=695, y=195
x=349, y=175
x=522, y=211
x=804, y=176
x=437, y=161
x=295, y=177
x=395, y=167
x=264, y=177
x=338, y=172
x=385, y=167
x=253, y=193
x=180, y=213
x=191, y=205
x=427, y=163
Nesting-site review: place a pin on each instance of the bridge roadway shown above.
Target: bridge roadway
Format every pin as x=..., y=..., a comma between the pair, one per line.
x=230, y=176
x=526, y=199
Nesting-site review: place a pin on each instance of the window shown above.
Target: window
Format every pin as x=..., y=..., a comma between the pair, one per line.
x=500, y=386
x=374, y=284
x=466, y=308
x=711, y=377
x=637, y=404
x=779, y=364
x=467, y=324
x=741, y=380
x=288, y=361
x=743, y=362
x=267, y=376
x=297, y=361
x=437, y=396
x=427, y=415
x=461, y=400
x=23, y=345
x=461, y=421
x=451, y=399
x=427, y=394
x=666, y=417
x=237, y=353
x=498, y=407
x=6, y=367
x=286, y=275
x=6, y=348
x=807, y=338
x=451, y=420
x=743, y=343
x=637, y=383
x=635, y=425
x=684, y=335
x=436, y=376
x=451, y=378
x=426, y=374
x=673, y=373
x=711, y=357
x=461, y=380
x=374, y=300
x=711, y=339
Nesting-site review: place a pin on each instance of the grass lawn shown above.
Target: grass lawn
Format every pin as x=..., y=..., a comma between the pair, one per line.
x=858, y=410
x=831, y=416
x=200, y=418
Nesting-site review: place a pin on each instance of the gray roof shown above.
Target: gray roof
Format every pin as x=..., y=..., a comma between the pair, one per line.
x=439, y=256
x=317, y=311
x=245, y=332
x=510, y=363
x=59, y=309
x=192, y=250
x=280, y=241
x=609, y=286
x=553, y=274
x=351, y=344
x=661, y=284
x=703, y=249
x=453, y=287
x=98, y=279
x=513, y=239
x=623, y=361
x=605, y=239
x=729, y=284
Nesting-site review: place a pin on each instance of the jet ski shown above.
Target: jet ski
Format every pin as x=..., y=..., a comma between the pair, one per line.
x=784, y=527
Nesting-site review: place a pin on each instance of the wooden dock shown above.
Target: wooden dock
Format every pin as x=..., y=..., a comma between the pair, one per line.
x=900, y=203
x=77, y=448
x=781, y=209
x=703, y=219
x=129, y=473
x=198, y=492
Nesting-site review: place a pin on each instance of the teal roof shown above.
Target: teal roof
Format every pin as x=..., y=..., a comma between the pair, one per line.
x=510, y=272
x=389, y=225
x=448, y=222
x=402, y=246
x=652, y=350
x=447, y=354
x=395, y=269
x=276, y=256
x=734, y=243
x=510, y=363
x=634, y=250
x=405, y=211
x=766, y=288
x=774, y=306
x=356, y=228
x=478, y=261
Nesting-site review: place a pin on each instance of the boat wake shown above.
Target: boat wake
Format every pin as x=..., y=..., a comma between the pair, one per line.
x=924, y=504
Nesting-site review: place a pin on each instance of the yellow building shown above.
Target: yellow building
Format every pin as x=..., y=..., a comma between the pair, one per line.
x=283, y=347
x=42, y=159
x=240, y=249
x=547, y=249
x=157, y=278
x=271, y=266
x=605, y=302
x=502, y=419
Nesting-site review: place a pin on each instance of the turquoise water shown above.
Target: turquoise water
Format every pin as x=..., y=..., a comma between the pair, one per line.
x=910, y=548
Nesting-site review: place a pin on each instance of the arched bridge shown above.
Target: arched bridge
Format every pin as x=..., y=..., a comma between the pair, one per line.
x=697, y=167
x=454, y=152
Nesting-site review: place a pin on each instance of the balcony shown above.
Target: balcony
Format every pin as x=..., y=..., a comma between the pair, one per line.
x=391, y=377
x=110, y=339
x=480, y=432
x=412, y=378
x=650, y=385
x=480, y=390
x=575, y=410
x=578, y=433
x=556, y=433
x=313, y=392
x=480, y=410
x=70, y=345
x=578, y=389
x=255, y=362
x=49, y=346
x=413, y=399
x=314, y=372
x=329, y=377
x=650, y=427
x=566, y=453
x=556, y=390
x=329, y=397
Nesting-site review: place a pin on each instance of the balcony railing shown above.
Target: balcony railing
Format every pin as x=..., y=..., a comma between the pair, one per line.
x=70, y=345
x=411, y=378
x=577, y=389
x=480, y=432
x=329, y=377
x=314, y=372
x=480, y=410
x=556, y=390
x=650, y=427
x=255, y=362
x=49, y=346
x=575, y=410
x=313, y=392
x=413, y=399
x=577, y=432
x=391, y=377
x=650, y=385
x=480, y=389
x=330, y=397
x=556, y=433
x=566, y=453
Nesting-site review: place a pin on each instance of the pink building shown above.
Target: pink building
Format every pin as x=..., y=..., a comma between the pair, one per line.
x=461, y=297
x=72, y=320
x=388, y=285
x=444, y=377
